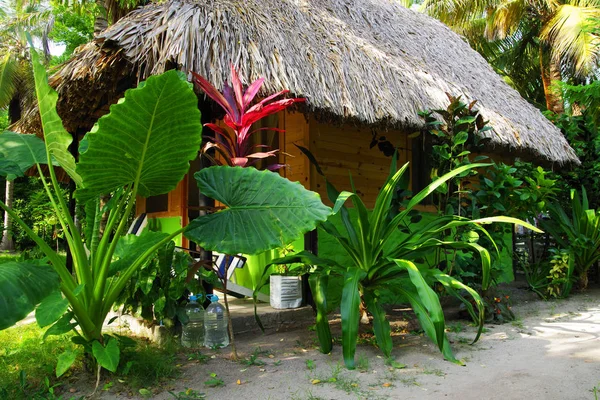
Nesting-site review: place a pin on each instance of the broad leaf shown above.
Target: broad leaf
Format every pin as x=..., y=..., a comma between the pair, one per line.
x=62, y=326
x=22, y=287
x=428, y=298
x=350, y=313
x=130, y=247
x=19, y=152
x=428, y=324
x=264, y=211
x=65, y=360
x=107, y=357
x=56, y=137
x=147, y=140
x=51, y=309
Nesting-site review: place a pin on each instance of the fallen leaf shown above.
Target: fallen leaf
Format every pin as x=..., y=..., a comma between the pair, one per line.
x=72, y=390
x=239, y=382
x=271, y=356
x=315, y=381
x=387, y=384
x=354, y=384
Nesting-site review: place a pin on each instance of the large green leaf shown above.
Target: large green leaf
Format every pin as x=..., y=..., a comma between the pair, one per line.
x=51, y=309
x=350, y=313
x=264, y=211
x=62, y=326
x=318, y=287
x=108, y=357
x=64, y=362
x=130, y=247
x=381, y=326
x=428, y=298
x=427, y=323
x=56, y=137
x=22, y=287
x=19, y=152
x=147, y=139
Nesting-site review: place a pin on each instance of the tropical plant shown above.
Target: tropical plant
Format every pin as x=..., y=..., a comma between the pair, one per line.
x=158, y=291
x=579, y=233
x=582, y=133
x=72, y=28
x=16, y=87
x=239, y=116
x=382, y=259
x=141, y=148
x=453, y=140
x=558, y=31
x=560, y=275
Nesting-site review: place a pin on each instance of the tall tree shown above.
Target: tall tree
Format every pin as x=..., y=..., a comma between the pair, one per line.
x=558, y=29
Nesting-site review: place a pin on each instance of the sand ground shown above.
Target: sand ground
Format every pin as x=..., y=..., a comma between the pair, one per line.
x=552, y=351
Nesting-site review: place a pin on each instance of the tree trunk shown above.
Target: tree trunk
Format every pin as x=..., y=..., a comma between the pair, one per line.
x=551, y=73
x=8, y=243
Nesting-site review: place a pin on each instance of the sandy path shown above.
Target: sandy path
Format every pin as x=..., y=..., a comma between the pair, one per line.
x=551, y=352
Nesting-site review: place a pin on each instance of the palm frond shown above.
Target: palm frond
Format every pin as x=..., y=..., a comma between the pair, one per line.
x=8, y=73
x=568, y=34
x=505, y=19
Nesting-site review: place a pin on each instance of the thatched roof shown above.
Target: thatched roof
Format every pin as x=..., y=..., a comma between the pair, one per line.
x=371, y=61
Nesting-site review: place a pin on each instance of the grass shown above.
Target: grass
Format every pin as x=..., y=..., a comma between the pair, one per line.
x=6, y=257
x=27, y=364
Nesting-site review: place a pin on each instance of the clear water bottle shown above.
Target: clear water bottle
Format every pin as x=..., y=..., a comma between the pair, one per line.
x=192, y=334
x=215, y=324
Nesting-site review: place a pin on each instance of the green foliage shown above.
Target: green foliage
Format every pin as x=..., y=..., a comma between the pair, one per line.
x=582, y=134
x=578, y=233
x=22, y=378
x=498, y=309
x=381, y=260
x=72, y=28
x=18, y=294
x=560, y=274
x=142, y=147
x=257, y=202
x=453, y=141
x=157, y=290
x=32, y=205
x=3, y=119
x=519, y=191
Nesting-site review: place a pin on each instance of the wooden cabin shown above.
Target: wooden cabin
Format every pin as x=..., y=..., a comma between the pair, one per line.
x=362, y=68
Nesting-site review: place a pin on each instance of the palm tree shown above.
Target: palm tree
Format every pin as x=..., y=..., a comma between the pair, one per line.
x=559, y=31
x=16, y=80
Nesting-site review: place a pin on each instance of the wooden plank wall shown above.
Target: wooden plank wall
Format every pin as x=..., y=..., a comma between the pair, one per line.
x=344, y=149
x=296, y=132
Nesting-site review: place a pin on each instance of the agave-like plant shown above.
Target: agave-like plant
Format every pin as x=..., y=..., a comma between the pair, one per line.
x=382, y=260
x=239, y=116
x=579, y=233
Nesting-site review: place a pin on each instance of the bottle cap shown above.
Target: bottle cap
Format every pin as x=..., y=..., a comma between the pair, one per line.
x=213, y=297
x=193, y=298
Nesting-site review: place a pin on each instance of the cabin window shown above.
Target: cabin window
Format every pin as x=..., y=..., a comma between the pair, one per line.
x=155, y=204
x=421, y=167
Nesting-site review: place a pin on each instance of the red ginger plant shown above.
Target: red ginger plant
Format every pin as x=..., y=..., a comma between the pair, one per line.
x=239, y=116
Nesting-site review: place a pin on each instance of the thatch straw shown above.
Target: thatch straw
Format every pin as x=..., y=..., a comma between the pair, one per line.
x=371, y=61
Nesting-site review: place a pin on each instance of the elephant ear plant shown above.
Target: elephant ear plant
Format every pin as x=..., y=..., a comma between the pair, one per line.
x=141, y=148
x=382, y=261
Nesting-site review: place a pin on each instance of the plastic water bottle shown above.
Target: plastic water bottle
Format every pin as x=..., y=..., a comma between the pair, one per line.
x=192, y=334
x=215, y=324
